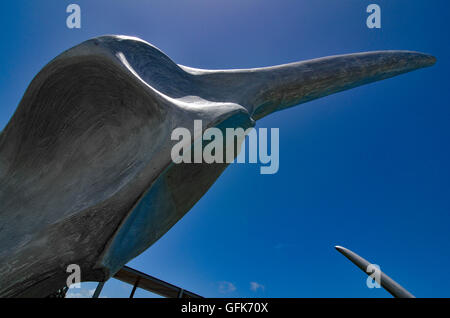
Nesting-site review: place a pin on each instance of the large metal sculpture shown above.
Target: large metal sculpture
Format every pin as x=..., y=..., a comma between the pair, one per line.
x=86, y=175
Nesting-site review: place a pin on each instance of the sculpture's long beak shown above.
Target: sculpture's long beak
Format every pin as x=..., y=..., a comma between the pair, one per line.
x=269, y=89
x=296, y=83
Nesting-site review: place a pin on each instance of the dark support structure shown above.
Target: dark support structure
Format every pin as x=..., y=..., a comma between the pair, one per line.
x=152, y=284
x=134, y=287
x=98, y=289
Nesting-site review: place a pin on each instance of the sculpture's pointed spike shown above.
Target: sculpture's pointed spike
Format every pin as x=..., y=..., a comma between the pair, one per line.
x=269, y=89
x=388, y=283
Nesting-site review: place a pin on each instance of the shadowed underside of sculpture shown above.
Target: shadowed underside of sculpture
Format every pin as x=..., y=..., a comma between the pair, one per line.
x=86, y=175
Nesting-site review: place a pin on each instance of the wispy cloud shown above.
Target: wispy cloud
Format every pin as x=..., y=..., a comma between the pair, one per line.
x=254, y=286
x=279, y=245
x=226, y=287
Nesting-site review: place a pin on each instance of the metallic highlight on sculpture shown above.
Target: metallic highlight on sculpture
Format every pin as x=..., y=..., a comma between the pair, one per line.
x=388, y=283
x=85, y=169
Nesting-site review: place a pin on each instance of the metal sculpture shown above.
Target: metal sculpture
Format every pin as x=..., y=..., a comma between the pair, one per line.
x=390, y=285
x=86, y=175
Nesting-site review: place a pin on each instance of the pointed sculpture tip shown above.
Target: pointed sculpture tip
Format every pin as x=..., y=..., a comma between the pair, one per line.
x=413, y=60
x=433, y=59
x=340, y=248
x=400, y=61
x=343, y=251
x=429, y=60
x=423, y=59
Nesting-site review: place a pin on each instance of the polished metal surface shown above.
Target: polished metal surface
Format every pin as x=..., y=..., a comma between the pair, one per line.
x=86, y=175
x=391, y=286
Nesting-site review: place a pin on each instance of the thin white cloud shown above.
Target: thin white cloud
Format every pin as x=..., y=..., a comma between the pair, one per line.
x=279, y=245
x=254, y=286
x=80, y=293
x=226, y=287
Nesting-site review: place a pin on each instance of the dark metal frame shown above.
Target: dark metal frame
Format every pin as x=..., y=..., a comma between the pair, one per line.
x=152, y=284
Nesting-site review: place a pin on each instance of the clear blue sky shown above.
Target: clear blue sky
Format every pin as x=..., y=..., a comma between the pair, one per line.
x=367, y=168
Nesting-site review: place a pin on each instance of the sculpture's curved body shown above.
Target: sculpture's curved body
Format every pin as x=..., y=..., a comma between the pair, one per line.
x=86, y=175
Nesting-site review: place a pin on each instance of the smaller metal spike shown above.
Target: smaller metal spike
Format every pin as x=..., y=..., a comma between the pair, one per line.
x=388, y=283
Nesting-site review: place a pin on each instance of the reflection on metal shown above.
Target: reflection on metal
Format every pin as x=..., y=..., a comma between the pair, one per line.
x=388, y=283
x=151, y=284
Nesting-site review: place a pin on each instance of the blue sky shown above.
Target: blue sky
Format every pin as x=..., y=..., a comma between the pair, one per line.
x=367, y=169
